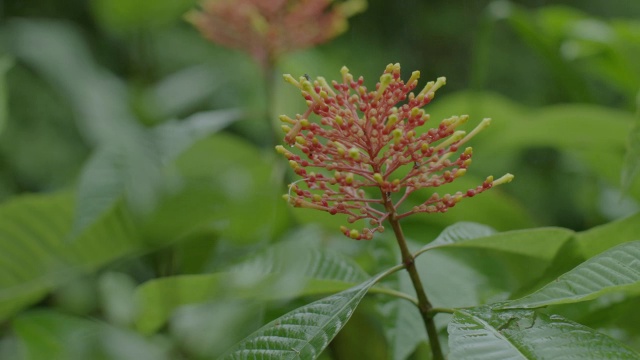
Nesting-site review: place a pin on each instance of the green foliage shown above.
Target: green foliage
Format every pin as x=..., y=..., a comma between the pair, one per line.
x=304, y=332
x=523, y=334
x=613, y=270
x=47, y=334
x=126, y=16
x=141, y=217
x=280, y=272
x=631, y=168
x=5, y=64
x=37, y=254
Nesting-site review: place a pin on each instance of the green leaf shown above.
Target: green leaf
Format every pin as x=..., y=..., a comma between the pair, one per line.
x=631, y=167
x=6, y=63
x=481, y=334
x=182, y=91
x=515, y=127
x=158, y=299
x=126, y=162
x=60, y=55
x=100, y=186
x=122, y=15
x=451, y=281
x=461, y=231
x=228, y=186
x=494, y=208
x=280, y=272
x=302, y=333
x=616, y=269
x=600, y=238
x=404, y=327
x=30, y=227
x=129, y=161
x=540, y=243
x=584, y=245
x=35, y=255
x=174, y=137
x=47, y=334
x=130, y=171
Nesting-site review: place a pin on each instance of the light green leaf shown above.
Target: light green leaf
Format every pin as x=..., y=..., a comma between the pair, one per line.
x=182, y=91
x=174, y=137
x=540, y=243
x=303, y=260
x=128, y=171
x=35, y=256
x=281, y=272
x=616, y=269
x=132, y=170
x=158, y=299
x=127, y=163
x=47, y=334
x=230, y=187
x=461, y=231
x=600, y=238
x=302, y=333
x=515, y=127
x=481, y=334
x=100, y=186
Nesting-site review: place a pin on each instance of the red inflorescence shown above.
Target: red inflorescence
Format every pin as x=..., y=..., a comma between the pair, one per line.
x=266, y=29
x=373, y=139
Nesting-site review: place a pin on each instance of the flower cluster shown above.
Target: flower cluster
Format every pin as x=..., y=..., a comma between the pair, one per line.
x=267, y=29
x=374, y=140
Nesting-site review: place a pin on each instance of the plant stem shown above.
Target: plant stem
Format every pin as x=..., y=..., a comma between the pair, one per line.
x=268, y=74
x=424, y=306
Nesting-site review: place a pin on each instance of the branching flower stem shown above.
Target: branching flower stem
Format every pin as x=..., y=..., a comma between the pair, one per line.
x=424, y=306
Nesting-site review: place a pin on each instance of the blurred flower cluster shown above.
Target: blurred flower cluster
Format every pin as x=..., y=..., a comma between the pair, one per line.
x=267, y=29
x=375, y=140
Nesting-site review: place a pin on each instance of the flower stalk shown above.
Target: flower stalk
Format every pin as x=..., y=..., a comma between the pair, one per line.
x=424, y=306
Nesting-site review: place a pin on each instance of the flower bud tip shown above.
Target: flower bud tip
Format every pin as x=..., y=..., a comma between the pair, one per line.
x=507, y=178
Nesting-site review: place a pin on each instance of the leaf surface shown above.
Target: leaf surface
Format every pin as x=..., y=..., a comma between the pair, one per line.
x=480, y=334
x=280, y=272
x=616, y=269
x=302, y=333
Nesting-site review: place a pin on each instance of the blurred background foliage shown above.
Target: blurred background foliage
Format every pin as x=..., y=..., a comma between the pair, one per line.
x=116, y=170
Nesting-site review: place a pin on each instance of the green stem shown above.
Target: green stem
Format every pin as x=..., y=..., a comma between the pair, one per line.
x=270, y=89
x=424, y=306
x=442, y=310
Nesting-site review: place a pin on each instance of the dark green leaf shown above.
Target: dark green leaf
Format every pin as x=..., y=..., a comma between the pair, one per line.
x=122, y=15
x=6, y=63
x=524, y=334
x=631, y=167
